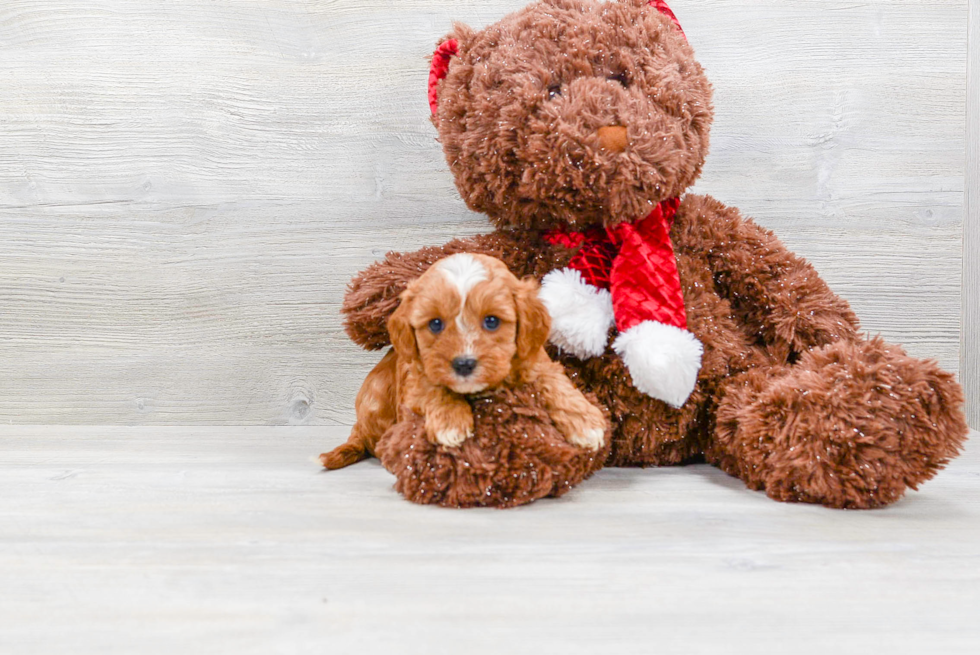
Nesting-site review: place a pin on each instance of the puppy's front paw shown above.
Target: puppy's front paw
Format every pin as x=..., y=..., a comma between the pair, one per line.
x=592, y=439
x=452, y=437
x=450, y=426
x=584, y=426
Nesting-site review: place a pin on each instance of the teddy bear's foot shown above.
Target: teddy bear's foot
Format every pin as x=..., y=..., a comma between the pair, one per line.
x=851, y=425
x=515, y=456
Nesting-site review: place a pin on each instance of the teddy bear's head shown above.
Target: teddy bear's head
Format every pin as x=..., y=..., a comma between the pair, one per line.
x=571, y=112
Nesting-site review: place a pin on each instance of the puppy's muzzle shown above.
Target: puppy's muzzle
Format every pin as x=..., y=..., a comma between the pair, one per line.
x=463, y=366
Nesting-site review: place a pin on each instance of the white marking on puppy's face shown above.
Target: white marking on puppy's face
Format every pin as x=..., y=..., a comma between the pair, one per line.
x=464, y=272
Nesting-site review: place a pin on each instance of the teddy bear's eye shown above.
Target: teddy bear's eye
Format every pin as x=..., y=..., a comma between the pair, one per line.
x=554, y=91
x=436, y=325
x=622, y=78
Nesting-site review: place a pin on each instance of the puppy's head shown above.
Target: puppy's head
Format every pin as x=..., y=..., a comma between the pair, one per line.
x=469, y=322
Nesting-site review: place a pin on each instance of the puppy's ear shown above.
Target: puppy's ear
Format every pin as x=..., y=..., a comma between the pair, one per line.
x=533, y=320
x=400, y=330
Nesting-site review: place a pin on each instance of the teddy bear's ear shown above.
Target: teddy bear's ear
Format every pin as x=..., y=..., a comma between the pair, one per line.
x=452, y=45
x=662, y=7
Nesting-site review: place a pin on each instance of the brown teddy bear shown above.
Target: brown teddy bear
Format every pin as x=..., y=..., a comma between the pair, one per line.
x=577, y=126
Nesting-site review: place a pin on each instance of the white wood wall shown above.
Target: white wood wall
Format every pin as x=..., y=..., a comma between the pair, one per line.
x=187, y=186
x=970, y=338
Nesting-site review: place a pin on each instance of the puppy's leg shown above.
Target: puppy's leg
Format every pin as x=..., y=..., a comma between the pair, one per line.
x=376, y=411
x=580, y=421
x=448, y=417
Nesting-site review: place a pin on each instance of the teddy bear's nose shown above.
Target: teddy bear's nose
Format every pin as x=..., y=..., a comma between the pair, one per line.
x=613, y=137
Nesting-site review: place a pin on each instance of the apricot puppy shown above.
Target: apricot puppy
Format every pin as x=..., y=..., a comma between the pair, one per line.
x=465, y=326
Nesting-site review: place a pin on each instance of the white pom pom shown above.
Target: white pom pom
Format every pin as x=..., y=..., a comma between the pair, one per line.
x=581, y=314
x=663, y=360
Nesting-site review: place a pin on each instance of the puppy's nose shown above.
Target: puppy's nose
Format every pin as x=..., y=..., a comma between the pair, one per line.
x=613, y=138
x=464, y=365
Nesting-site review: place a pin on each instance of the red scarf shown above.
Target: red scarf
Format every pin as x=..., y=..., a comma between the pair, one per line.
x=636, y=263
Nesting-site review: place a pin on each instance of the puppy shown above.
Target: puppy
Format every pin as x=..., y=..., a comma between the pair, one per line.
x=464, y=326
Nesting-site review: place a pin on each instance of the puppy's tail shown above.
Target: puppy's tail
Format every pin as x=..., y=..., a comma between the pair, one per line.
x=344, y=455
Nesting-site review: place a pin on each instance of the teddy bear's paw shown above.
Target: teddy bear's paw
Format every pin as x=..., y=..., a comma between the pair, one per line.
x=516, y=455
x=663, y=360
x=581, y=314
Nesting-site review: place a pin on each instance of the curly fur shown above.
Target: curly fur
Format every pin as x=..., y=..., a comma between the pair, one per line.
x=515, y=456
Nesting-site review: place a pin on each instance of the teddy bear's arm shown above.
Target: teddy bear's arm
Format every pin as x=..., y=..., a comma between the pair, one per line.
x=778, y=294
x=373, y=293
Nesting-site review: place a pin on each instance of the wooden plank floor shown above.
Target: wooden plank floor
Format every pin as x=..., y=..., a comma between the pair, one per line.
x=213, y=540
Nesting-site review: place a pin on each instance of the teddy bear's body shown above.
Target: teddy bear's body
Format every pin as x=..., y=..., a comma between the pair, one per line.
x=788, y=396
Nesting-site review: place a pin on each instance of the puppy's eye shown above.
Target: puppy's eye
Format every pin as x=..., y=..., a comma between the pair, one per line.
x=436, y=326
x=622, y=78
x=554, y=91
x=491, y=323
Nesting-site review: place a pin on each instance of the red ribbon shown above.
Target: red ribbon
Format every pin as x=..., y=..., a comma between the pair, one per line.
x=635, y=262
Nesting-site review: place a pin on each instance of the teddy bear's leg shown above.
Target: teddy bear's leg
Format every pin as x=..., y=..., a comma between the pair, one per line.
x=851, y=425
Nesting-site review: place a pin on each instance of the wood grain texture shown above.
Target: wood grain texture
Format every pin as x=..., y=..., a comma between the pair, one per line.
x=970, y=342
x=186, y=187
x=229, y=540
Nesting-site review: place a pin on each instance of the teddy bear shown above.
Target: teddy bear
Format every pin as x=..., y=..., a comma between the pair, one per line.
x=577, y=127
